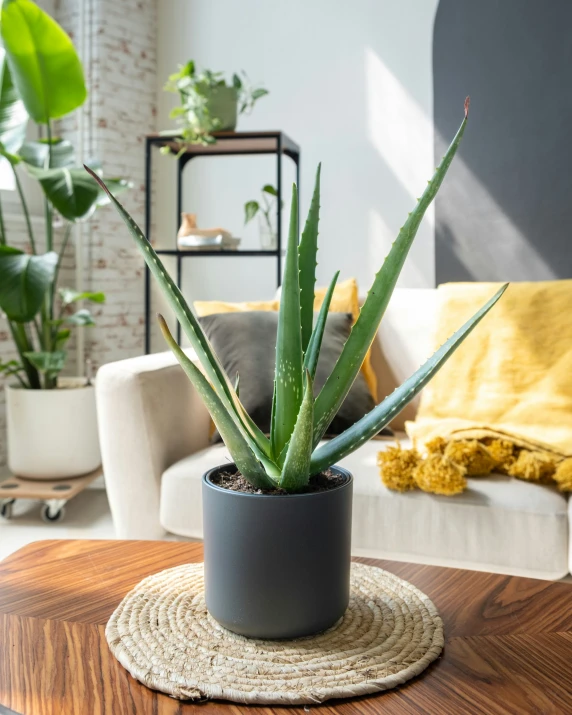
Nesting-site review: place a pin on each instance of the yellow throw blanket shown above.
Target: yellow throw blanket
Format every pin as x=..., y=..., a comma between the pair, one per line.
x=507, y=389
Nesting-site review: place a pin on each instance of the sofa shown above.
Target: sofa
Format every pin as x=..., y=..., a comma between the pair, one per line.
x=154, y=433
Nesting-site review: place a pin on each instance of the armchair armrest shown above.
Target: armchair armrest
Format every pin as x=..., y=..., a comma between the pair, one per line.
x=149, y=417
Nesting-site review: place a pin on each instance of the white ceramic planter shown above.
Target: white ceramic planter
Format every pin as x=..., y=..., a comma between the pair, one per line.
x=52, y=434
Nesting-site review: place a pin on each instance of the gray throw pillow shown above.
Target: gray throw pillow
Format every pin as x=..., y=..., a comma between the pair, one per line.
x=245, y=344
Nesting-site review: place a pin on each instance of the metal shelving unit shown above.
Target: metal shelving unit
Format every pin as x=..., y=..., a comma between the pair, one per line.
x=227, y=144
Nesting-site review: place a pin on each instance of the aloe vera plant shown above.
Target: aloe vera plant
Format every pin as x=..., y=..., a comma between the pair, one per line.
x=293, y=452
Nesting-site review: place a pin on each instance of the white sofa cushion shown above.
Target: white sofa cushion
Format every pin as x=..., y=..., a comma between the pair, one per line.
x=498, y=524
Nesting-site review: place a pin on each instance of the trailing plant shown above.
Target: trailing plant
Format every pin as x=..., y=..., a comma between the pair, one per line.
x=293, y=452
x=266, y=208
x=41, y=79
x=197, y=114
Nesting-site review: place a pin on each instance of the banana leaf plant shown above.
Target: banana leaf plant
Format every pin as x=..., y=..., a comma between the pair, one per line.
x=41, y=80
x=294, y=450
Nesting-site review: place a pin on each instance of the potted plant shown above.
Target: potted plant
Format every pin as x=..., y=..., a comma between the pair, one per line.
x=52, y=430
x=208, y=103
x=277, y=522
x=266, y=212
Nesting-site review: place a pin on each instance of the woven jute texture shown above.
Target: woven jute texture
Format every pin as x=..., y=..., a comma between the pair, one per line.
x=163, y=635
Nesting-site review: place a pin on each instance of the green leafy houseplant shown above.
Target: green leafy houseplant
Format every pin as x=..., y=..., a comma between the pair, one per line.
x=41, y=80
x=266, y=209
x=208, y=103
x=293, y=453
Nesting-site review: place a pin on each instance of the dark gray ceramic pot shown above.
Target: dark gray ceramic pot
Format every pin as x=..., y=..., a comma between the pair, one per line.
x=277, y=566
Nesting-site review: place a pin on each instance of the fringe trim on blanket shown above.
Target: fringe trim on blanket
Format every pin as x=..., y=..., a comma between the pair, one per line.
x=445, y=464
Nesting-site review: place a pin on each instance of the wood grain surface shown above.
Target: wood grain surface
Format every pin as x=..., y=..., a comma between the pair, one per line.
x=508, y=647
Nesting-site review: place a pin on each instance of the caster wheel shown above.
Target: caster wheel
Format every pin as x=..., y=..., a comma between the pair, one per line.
x=6, y=509
x=50, y=516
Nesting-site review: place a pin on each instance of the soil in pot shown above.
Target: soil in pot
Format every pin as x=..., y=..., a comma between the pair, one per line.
x=235, y=482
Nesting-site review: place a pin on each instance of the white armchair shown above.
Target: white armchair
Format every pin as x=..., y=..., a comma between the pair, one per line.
x=154, y=441
x=150, y=417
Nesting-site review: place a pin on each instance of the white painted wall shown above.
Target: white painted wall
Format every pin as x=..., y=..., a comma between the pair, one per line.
x=351, y=83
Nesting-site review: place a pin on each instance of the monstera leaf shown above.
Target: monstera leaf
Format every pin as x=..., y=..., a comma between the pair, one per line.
x=44, y=65
x=24, y=281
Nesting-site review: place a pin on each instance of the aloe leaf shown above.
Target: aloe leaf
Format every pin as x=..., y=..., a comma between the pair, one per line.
x=237, y=446
x=273, y=419
x=307, y=252
x=288, y=374
x=363, y=332
x=190, y=325
x=382, y=414
x=313, y=352
x=296, y=469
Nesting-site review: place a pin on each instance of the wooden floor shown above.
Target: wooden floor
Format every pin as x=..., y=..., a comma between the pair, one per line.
x=508, y=639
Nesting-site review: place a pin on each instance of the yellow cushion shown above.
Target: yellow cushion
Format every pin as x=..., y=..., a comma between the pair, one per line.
x=344, y=300
x=210, y=307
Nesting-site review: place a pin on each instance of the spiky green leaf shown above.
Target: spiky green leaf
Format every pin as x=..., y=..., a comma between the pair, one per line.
x=363, y=332
x=237, y=446
x=313, y=352
x=370, y=424
x=288, y=374
x=296, y=469
x=195, y=334
x=307, y=252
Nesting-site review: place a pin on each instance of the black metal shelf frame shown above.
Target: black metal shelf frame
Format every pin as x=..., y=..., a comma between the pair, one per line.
x=227, y=144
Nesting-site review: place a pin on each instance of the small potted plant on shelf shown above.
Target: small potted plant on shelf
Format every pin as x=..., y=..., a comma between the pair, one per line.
x=277, y=522
x=208, y=103
x=52, y=429
x=266, y=212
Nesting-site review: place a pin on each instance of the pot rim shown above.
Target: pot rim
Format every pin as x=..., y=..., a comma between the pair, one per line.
x=69, y=386
x=206, y=480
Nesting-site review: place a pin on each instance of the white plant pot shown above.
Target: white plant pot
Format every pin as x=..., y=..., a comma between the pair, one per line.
x=52, y=434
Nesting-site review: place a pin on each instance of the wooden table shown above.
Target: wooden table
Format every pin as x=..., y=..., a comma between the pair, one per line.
x=508, y=648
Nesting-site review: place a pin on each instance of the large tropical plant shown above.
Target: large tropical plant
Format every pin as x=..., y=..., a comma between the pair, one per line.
x=41, y=79
x=293, y=452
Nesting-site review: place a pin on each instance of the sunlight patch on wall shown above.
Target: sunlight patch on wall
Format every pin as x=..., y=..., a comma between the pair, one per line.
x=381, y=236
x=398, y=127
x=403, y=135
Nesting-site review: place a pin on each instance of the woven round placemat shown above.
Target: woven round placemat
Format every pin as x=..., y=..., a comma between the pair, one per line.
x=163, y=635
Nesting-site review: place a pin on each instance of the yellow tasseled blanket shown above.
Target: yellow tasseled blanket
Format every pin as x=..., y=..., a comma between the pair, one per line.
x=503, y=401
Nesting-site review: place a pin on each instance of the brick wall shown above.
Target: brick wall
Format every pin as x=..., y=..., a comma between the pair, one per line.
x=117, y=46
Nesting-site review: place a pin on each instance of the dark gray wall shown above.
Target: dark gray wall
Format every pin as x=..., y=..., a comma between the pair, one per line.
x=504, y=211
